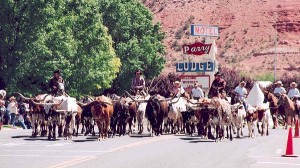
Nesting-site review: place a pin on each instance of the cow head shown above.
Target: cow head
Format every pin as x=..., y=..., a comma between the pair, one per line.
x=260, y=114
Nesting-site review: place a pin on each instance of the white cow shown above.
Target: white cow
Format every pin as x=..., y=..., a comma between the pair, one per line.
x=68, y=108
x=140, y=114
x=177, y=105
x=238, y=116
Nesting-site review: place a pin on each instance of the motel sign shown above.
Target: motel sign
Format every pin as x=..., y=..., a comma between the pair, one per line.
x=204, y=30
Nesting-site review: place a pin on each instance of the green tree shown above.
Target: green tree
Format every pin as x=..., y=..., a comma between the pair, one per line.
x=137, y=41
x=68, y=35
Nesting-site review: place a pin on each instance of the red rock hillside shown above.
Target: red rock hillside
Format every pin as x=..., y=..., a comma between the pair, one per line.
x=248, y=31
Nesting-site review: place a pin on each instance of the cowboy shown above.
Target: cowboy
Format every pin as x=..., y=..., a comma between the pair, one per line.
x=279, y=89
x=242, y=93
x=293, y=92
x=294, y=95
x=178, y=90
x=137, y=83
x=217, y=87
x=197, y=92
x=54, y=82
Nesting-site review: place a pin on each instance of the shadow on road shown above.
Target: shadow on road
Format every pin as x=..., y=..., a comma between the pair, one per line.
x=140, y=135
x=84, y=140
x=188, y=138
x=200, y=141
x=39, y=139
x=21, y=136
x=196, y=139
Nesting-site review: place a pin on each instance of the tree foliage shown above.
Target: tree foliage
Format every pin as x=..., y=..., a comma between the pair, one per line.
x=40, y=36
x=138, y=43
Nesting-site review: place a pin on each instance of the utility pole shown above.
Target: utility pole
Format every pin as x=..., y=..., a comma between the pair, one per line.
x=275, y=54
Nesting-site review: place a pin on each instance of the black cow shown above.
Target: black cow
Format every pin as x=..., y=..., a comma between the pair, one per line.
x=156, y=111
x=188, y=126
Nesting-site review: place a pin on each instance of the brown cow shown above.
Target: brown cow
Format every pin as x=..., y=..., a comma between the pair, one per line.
x=102, y=110
x=251, y=118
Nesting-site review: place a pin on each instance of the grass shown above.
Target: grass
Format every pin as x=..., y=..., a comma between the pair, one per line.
x=265, y=76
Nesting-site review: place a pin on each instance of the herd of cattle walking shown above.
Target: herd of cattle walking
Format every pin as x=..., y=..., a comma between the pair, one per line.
x=117, y=115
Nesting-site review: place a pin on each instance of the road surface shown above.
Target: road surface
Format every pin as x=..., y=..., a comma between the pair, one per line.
x=19, y=150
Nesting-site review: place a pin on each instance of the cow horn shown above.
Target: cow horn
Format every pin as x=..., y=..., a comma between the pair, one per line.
x=90, y=97
x=129, y=95
x=55, y=104
x=141, y=100
x=85, y=104
x=23, y=97
x=36, y=103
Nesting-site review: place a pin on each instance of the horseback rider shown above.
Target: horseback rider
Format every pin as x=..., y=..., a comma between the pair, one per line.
x=294, y=94
x=217, y=87
x=177, y=90
x=138, y=83
x=242, y=93
x=279, y=89
x=56, y=84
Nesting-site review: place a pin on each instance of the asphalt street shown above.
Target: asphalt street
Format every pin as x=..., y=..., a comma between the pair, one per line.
x=19, y=150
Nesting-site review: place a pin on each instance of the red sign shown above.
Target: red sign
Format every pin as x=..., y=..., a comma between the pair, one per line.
x=197, y=48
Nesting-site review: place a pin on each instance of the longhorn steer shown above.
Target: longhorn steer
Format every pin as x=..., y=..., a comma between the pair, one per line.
x=102, y=110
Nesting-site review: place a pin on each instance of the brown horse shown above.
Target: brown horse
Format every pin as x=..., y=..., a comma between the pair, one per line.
x=289, y=108
x=275, y=108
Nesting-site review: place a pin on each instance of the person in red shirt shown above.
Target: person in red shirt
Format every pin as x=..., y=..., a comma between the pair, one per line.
x=138, y=83
x=217, y=87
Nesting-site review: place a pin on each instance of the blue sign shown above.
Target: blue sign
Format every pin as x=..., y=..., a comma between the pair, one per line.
x=208, y=66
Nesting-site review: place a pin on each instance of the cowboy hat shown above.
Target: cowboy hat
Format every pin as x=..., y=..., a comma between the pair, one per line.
x=278, y=83
x=243, y=82
x=294, y=83
x=12, y=98
x=218, y=74
x=138, y=71
x=176, y=82
x=57, y=71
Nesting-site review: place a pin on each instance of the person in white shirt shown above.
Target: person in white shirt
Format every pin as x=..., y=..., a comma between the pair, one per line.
x=293, y=92
x=242, y=93
x=241, y=90
x=197, y=92
x=178, y=90
x=12, y=107
x=279, y=89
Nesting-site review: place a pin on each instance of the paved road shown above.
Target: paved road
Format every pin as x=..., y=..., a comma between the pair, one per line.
x=18, y=149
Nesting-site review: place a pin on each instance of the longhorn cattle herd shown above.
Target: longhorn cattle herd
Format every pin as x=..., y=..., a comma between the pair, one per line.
x=114, y=115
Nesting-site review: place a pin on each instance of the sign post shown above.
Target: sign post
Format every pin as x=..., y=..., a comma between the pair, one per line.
x=201, y=64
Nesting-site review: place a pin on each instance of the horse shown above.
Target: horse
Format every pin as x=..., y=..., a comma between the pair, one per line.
x=289, y=108
x=275, y=109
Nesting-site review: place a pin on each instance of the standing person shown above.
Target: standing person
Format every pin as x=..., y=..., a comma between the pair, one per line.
x=12, y=107
x=197, y=92
x=54, y=84
x=242, y=93
x=217, y=87
x=2, y=112
x=138, y=83
x=279, y=89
